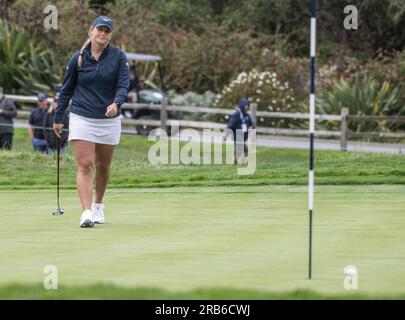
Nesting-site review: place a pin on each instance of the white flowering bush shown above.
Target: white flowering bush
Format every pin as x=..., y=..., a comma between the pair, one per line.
x=263, y=88
x=192, y=99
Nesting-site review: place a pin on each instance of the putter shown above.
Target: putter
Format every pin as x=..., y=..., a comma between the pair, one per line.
x=58, y=211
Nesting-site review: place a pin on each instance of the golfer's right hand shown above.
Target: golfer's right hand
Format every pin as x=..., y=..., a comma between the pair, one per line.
x=57, y=128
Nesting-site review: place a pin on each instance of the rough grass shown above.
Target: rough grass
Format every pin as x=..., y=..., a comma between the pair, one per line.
x=23, y=168
x=110, y=292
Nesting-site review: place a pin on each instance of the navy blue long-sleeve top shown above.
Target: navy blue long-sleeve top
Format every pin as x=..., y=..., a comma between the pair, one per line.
x=237, y=119
x=94, y=86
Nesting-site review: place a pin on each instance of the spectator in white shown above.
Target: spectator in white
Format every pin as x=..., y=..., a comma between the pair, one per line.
x=35, y=127
x=8, y=111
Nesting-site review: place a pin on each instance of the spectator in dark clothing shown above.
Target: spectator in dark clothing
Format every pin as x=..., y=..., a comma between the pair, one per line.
x=7, y=112
x=49, y=134
x=35, y=124
x=135, y=83
x=241, y=120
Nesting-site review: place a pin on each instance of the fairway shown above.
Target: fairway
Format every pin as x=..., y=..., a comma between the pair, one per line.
x=188, y=238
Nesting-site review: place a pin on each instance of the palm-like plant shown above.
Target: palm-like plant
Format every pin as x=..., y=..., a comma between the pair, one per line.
x=365, y=96
x=25, y=65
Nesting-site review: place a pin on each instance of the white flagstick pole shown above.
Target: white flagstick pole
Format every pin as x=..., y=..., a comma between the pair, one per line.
x=311, y=131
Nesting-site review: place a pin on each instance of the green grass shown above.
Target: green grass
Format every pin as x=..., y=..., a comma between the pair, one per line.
x=203, y=232
x=22, y=169
x=110, y=292
x=191, y=240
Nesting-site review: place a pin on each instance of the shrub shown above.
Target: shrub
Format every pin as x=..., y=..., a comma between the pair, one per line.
x=192, y=60
x=26, y=65
x=74, y=19
x=263, y=88
x=392, y=70
x=293, y=70
x=365, y=96
x=192, y=99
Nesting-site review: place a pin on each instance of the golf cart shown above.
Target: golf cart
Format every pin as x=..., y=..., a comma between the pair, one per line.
x=142, y=88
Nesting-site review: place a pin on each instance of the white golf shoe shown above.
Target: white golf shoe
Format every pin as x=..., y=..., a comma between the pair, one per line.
x=86, y=219
x=98, y=213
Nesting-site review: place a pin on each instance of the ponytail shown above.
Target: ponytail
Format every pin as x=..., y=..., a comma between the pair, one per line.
x=80, y=60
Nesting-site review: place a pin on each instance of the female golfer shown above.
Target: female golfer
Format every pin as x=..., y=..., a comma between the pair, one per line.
x=97, y=79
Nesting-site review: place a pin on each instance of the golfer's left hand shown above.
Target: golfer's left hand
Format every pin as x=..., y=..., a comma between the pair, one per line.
x=57, y=128
x=112, y=110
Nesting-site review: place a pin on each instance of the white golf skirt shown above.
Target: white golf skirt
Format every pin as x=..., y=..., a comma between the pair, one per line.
x=103, y=131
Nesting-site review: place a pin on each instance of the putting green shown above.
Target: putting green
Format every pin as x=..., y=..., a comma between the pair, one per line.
x=181, y=239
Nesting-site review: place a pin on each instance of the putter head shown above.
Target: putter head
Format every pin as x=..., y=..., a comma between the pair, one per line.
x=58, y=212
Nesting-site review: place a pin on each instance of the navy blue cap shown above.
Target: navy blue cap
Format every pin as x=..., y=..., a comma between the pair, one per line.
x=41, y=96
x=243, y=102
x=103, y=21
